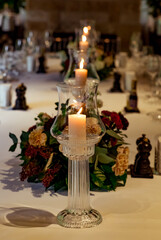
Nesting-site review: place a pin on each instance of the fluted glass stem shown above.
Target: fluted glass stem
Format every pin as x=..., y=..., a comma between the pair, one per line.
x=78, y=185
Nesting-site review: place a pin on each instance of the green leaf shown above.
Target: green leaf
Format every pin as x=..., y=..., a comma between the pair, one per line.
x=52, y=140
x=102, y=157
x=105, y=159
x=122, y=178
x=99, y=174
x=13, y=137
x=113, y=134
x=96, y=180
x=15, y=142
x=57, y=105
x=24, y=136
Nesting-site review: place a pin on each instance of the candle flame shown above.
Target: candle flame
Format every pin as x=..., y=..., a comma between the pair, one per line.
x=85, y=30
x=89, y=28
x=80, y=110
x=84, y=38
x=81, y=63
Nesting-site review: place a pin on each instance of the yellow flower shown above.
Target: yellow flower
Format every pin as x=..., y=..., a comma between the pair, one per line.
x=92, y=126
x=121, y=161
x=37, y=138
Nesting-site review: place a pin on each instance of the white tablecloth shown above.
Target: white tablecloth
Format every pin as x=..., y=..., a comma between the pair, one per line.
x=27, y=212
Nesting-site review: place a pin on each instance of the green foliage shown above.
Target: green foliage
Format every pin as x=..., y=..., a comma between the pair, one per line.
x=15, y=142
x=39, y=168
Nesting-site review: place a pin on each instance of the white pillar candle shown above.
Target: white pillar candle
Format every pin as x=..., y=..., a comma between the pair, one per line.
x=84, y=43
x=30, y=62
x=129, y=76
x=5, y=95
x=81, y=74
x=77, y=133
x=77, y=127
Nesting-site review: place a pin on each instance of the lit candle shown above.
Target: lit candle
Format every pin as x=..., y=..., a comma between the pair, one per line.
x=84, y=43
x=81, y=74
x=85, y=30
x=77, y=127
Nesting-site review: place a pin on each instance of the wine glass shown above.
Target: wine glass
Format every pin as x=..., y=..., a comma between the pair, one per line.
x=7, y=55
x=48, y=41
x=152, y=63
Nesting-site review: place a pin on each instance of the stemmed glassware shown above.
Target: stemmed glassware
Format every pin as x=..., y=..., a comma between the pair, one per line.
x=152, y=67
x=7, y=56
x=78, y=128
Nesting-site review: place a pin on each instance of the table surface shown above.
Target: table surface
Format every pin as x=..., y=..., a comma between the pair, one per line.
x=28, y=212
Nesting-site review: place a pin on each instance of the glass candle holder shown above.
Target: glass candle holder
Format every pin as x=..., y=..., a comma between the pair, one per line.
x=87, y=28
x=75, y=58
x=78, y=128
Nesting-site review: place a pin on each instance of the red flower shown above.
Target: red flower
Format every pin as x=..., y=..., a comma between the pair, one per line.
x=48, y=124
x=32, y=128
x=113, y=141
x=29, y=170
x=44, y=152
x=50, y=174
x=106, y=121
x=106, y=113
x=124, y=121
x=31, y=151
x=116, y=119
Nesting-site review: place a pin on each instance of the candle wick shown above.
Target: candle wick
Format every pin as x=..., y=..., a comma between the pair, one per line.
x=80, y=110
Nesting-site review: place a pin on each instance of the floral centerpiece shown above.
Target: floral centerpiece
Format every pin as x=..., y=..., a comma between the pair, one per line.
x=43, y=161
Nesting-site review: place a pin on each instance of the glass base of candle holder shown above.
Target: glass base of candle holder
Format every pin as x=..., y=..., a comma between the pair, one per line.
x=79, y=219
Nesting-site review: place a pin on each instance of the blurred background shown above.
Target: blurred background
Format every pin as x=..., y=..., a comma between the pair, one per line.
x=60, y=19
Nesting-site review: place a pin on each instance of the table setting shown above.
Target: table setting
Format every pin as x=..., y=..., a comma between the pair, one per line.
x=80, y=153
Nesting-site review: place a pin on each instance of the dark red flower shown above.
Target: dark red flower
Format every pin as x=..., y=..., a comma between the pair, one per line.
x=106, y=121
x=31, y=128
x=106, y=113
x=116, y=119
x=124, y=121
x=50, y=174
x=29, y=170
x=113, y=141
x=44, y=152
x=48, y=124
x=31, y=151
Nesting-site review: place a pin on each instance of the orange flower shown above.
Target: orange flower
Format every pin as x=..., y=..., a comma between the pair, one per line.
x=37, y=138
x=121, y=161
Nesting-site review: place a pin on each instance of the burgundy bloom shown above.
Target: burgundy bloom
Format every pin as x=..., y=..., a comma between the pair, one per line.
x=106, y=121
x=116, y=119
x=106, y=113
x=31, y=151
x=50, y=174
x=124, y=121
x=48, y=124
x=44, y=152
x=113, y=141
x=32, y=128
x=29, y=170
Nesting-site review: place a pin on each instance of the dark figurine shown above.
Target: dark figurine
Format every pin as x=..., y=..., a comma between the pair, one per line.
x=132, y=102
x=20, y=103
x=42, y=61
x=141, y=167
x=41, y=68
x=116, y=85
